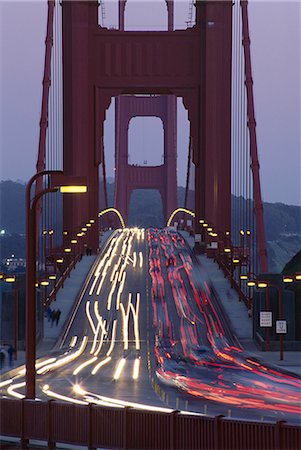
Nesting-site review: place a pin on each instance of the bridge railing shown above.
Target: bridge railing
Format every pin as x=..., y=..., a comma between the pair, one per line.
x=128, y=428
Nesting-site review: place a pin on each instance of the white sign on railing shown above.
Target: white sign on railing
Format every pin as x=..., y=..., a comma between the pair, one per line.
x=281, y=326
x=265, y=319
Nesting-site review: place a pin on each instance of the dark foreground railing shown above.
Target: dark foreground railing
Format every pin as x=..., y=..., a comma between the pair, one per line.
x=127, y=428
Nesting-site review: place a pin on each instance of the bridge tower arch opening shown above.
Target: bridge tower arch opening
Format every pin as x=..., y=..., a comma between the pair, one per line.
x=145, y=141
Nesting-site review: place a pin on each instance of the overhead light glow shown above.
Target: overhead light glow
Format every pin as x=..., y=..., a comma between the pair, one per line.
x=73, y=189
x=10, y=279
x=288, y=280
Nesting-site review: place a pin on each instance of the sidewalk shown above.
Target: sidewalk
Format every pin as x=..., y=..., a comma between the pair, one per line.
x=64, y=301
x=237, y=315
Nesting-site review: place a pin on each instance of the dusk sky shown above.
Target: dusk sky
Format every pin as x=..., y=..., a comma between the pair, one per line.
x=275, y=42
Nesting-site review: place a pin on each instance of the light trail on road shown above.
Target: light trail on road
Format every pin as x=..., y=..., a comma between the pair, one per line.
x=196, y=355
x=183, y=351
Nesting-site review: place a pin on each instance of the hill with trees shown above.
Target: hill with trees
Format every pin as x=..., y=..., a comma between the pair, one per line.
x=282, y=222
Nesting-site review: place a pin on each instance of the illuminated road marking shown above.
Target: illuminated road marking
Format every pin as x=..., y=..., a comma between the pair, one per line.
x=112, y=338
x=120, y=289
x=135, y=259
x=136, y=320
x=89, y=317
x=140, y=260
x=125, y=322
x=11, y=390
x=100, y=364
x=109, y=304
x=93, y=284
x=119, y=368
x=73, y=341
x=104, y=332
x=136, y=369
x=66, y=360
x=85, y=364
x=53, y=394
x=6, y=382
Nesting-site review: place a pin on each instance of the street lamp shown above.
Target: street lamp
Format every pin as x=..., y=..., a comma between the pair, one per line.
x=61, y=183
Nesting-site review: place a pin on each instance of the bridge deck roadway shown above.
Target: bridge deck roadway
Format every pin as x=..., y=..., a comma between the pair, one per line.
x=237, y=315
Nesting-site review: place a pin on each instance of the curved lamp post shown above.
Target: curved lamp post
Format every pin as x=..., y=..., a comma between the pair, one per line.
x=61, y=183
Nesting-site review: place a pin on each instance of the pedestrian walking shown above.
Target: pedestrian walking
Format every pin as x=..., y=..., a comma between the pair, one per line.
x=57, y=316
x=2, y=359
x=53, y=317
x=11, y=351
x=49, y=312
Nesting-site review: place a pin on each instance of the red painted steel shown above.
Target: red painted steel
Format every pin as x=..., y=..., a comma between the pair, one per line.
x=100, y=64
x=261, y=239
x=130, y=177
x=40, y=166
x=137, y=429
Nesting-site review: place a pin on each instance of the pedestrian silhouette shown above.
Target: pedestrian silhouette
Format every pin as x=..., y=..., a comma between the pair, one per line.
x=53, y=316
x=57, y=316
x=11, y=351
x=2, y=359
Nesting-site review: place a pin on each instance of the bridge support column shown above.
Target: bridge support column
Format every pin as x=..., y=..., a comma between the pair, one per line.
x=80, y=148
x=211, y=117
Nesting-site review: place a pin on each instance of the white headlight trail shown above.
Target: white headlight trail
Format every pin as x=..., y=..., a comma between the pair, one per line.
x=100, y=364
x=83, y=365
x=112, y=338
x=67, y=359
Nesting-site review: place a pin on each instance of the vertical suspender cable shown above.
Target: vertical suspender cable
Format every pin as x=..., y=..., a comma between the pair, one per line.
x=260, y=231
x=187, y=174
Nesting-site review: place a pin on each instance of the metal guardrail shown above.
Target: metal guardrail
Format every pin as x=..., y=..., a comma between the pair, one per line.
x=128, y=428
x=60, y=283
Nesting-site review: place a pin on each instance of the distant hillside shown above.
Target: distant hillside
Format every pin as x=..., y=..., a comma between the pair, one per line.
x=12, y=206
x=282, y=222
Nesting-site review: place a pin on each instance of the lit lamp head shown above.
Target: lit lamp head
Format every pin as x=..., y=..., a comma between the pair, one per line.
x=60, y=260
x=262, y=284
x=67, y=250
x=243, y=277
x=73, y=241
x=227, y=250
x=92, y=221
x=73, y=189
x=287, y=279
x=235, y=260
x=44, y=283
x=10, y=279
x=52, y=277
x=251, y=283
x=298, y=276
